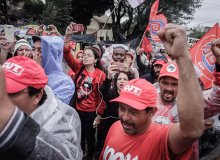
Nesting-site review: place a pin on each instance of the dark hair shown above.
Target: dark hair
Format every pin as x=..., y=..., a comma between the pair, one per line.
x=148, y=109
x=32, y=91
x=120, y=48
x=98, y=63
x=130, y=75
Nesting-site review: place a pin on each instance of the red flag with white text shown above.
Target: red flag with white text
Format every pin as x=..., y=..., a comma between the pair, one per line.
x=203, y=57
x=146, y=45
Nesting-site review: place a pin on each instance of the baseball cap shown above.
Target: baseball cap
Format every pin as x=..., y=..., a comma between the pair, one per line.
x=130, y=54
x=22, y=72
x=138, y=93
x=169, y=69
x=35, y=38
x=160, y=60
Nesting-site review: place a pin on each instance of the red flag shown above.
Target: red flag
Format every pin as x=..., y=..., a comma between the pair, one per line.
x=157, y=23
x=146, y=45
x=203, y=57
x=153, y=12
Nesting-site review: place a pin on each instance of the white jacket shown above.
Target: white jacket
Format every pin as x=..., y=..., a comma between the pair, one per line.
x=60, y=134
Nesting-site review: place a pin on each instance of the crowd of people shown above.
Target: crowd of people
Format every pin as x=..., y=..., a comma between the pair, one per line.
x=129, y=106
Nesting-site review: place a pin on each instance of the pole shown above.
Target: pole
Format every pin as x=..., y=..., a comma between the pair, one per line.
x=108, y=18
x=142, y=39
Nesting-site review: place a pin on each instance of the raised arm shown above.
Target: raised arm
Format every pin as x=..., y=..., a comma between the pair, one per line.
x=190, y=103
x=140, y=64
x=212, y=98
x=71, y=61
x=112, y=69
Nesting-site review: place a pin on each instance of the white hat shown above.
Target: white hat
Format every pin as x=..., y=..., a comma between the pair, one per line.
x=21, y=42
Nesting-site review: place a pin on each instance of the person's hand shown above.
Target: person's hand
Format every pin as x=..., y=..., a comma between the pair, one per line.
x=138, y=50
x=39, y=30
x=69, y=29
x=4, y=44
x=215, y=47
x=174, y=40
x=29, y=55
x=54, y=30
x=37, y=58
x=98, y=121
x=98, y=40
x=112, y=69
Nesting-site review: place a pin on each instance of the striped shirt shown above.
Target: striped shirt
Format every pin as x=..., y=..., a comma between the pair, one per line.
x=11, y=129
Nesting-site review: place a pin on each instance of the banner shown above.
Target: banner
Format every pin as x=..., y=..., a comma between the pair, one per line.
x=135, y=3
x=203, y=57
x=146, y=45
x=157, y=23
x=27, y=31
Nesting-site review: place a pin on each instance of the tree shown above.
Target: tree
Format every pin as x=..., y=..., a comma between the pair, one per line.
x=84, y=10
x=6, y=6
x=197, y=34
x=58, y=13
x=34, y=9
x=138, y=18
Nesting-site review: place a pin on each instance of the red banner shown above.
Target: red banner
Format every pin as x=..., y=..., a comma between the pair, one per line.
x=203, y=57
x=146, y=45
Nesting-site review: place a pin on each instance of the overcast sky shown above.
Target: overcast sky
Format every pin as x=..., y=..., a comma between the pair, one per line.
x=207, y=15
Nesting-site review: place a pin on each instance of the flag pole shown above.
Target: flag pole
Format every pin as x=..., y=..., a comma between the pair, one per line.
x=108, y=18
x=142, y=38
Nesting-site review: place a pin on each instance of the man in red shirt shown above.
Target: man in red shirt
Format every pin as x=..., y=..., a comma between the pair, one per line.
x=135, y=136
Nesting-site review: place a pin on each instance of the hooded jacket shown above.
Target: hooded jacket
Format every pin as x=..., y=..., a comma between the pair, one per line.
x=52, y=55
x=52, y=131
x=151, y=77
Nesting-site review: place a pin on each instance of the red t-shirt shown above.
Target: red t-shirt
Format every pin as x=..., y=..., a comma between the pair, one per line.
x=87, y=92
x=152, y=145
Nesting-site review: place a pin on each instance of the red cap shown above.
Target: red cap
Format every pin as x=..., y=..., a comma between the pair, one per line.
x=130, y=54
x=138, y=93
x=142, y=49
x=162, y=62
x=170, y=70
x=22, y=72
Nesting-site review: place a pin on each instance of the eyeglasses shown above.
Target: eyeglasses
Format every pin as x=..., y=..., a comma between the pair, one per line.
x=27, y=50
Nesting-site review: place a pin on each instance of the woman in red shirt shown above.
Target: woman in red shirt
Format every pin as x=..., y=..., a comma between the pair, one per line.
x=88, y=80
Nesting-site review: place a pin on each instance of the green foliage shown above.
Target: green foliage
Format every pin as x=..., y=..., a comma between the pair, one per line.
x=34, y=9
x=196, y=34
x=58, y=13
x=138, y=18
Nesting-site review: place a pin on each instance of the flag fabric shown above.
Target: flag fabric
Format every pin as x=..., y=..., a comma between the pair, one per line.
x=146, y=45
x=203, y=57
x=135, y=3
x=157, y=23
x=153, y=12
